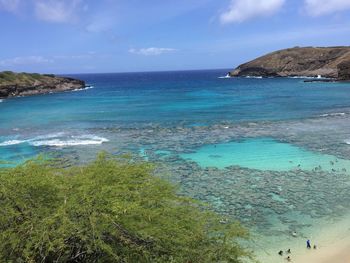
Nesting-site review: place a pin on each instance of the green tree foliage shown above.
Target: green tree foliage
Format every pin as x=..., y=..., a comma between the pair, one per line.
x=111, y=210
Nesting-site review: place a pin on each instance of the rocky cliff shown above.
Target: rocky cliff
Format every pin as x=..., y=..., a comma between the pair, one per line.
x=330, y=62
x=25, y=84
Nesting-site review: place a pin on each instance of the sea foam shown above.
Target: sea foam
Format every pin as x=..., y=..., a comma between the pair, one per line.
x=333, y=114
x=12, y=142
x=58, y=140
x=73, y=141
x=85, y=88
x=253, y=77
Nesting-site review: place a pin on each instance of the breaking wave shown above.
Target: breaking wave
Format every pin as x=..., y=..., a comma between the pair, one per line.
x=12, y=142
x=253, y=77
x=225, y=77
x=73, y=141
x=57, y=140
x=333, y=114
x=85, y=88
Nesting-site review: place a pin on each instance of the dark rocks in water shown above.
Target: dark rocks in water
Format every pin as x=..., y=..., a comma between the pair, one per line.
x=255, y=71
x=26, y=84
x=328, y=62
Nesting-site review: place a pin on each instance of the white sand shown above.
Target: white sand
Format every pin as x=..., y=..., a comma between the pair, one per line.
x=332, y=240
x=338, y=252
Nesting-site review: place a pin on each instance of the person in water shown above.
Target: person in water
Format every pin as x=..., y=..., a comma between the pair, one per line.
x=308, y=244
x=280, y=253
x=288, y=251
x=288, y=259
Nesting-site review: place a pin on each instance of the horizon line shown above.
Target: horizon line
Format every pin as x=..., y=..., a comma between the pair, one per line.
x=146, y=71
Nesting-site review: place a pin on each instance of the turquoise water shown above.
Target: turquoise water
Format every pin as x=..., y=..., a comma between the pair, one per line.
x=161, y=99
x=265, y=154
x=272, y=153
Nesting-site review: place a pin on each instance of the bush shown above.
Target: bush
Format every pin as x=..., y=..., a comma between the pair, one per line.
x=111, y=210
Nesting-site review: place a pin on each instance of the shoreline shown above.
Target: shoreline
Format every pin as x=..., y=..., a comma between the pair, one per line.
x=27, y=84
x=337, y=252
x=332, y=239
x=86, y=87
x=333, y=244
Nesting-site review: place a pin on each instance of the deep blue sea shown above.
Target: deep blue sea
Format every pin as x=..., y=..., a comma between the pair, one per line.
x=263, y=151
x=191, y=97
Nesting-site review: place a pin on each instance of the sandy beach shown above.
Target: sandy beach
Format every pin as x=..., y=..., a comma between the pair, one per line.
x=333, y=245
x=332, y=240
x=337, y=252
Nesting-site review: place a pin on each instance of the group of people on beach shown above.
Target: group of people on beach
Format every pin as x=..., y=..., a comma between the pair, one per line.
x=288, y=258
x=288, y=252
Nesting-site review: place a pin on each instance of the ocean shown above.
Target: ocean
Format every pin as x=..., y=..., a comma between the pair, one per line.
x=272, y=153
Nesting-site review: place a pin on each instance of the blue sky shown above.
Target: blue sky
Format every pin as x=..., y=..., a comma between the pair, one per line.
x=77, y=36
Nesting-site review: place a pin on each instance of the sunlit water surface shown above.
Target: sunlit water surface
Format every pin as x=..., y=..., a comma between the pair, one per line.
x=272, y=153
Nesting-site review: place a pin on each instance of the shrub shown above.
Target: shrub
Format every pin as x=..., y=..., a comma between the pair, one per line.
x=111, y=210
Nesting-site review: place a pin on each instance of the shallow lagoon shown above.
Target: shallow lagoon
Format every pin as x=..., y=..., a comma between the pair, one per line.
x=265, y=154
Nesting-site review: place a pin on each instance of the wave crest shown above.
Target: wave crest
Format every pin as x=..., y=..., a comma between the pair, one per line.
x=85, y=88
x=333, y=114
x=58, y=140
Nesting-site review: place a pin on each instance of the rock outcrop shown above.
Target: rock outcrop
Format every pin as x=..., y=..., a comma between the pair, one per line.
x=26, y=84
x=344, y=70
x=329, y=62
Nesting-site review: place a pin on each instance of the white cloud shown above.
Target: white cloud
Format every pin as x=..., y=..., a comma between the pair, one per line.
x=57, y=11
x=29, y=60
x=10, y=5
x=242, y=10
x=100, y=23
x=322, y=7
x=151, y=51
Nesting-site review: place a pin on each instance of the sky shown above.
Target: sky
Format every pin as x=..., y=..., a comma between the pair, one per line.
x=89, y=36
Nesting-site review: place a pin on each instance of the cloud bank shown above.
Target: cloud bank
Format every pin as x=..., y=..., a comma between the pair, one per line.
x=151, y=51
x=322, y=7
x=10, y=5
x=57, y=11
x=29, y=60
x=242, y=10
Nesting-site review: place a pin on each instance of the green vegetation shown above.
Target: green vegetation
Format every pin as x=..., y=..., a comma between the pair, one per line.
x=10, y=78
x=111, y=210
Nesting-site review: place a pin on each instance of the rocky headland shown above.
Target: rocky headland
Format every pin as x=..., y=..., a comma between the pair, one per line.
x=328, y=62
x=26, y=84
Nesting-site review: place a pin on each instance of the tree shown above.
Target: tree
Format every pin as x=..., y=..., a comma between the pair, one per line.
x=110, y=210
